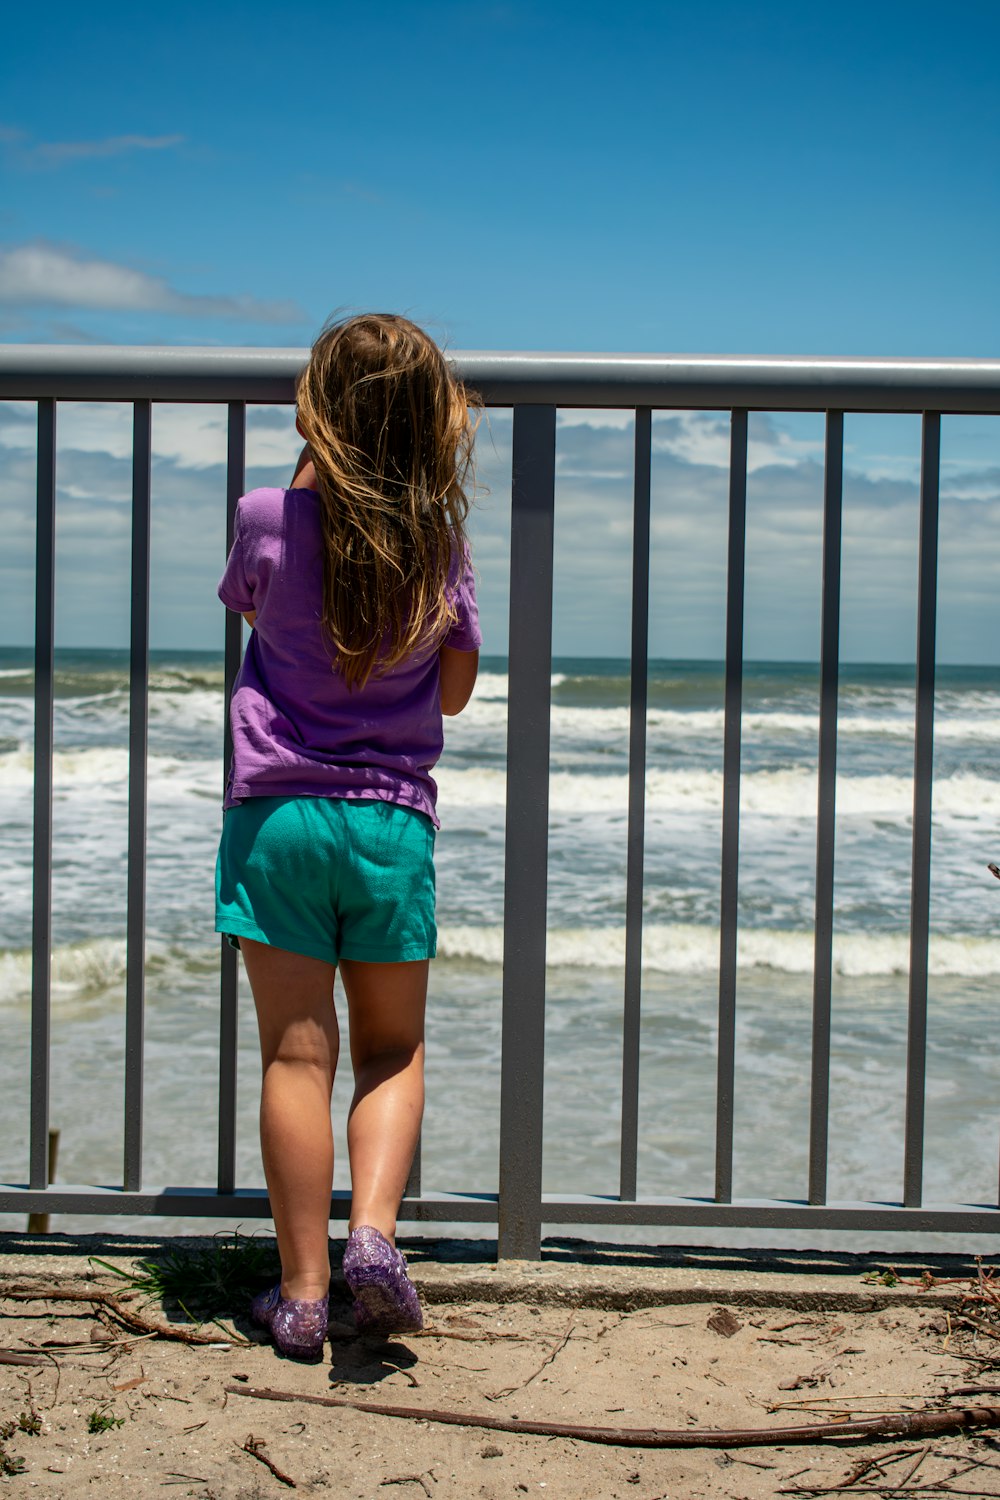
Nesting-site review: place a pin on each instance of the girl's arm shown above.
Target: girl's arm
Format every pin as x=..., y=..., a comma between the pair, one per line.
x=458, y=677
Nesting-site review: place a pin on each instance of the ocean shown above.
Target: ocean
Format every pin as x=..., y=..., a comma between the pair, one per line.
x=586, y=904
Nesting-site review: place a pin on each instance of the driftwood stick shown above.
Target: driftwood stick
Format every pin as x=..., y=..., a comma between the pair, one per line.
x=125, y=1315
x=255, y=1448
x=16, y=1357
x=893, y=1424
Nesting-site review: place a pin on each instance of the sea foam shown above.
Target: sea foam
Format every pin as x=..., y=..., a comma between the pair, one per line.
x=689, y=949
x=788, y=793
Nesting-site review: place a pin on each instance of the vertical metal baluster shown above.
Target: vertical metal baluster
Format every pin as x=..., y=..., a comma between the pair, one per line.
x=819, y=1107
x=229, y=963
x=731, y=809
x=41, y=919
x=135, y=966
x=638, y=695
x=923, y=767
x=526, y=857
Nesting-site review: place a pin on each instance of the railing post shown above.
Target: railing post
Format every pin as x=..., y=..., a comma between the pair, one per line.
x=522, y=1075
x=819, y=1103
x=229, y=962
x=923, y=768
x=638, y=695
x=730, y=883
x=135, y=976
x=41, y=918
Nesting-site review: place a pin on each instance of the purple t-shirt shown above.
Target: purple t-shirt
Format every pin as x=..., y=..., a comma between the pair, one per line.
x=298, y=729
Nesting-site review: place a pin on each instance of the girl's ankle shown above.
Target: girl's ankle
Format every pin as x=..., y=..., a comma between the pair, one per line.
x=385, y=1229
x=304, y=1288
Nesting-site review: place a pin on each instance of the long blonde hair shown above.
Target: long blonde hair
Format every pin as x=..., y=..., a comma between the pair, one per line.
x=390, y=434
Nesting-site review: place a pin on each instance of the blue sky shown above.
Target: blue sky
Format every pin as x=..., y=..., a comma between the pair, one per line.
x=776, y=178
x=768, y=178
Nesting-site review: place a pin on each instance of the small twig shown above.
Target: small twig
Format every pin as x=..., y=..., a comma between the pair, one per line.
x=43, y=1360
x=912, y=1469
x=400, y=1371
x=890, y=1424
x=85, y=1346
x=840, y=1401
x=114, y=1305
x=408, y=1479
x=486, y=1335
x=255, y=1446
x=510, y=1389
x=977, y=1463
x=867, y=1464
x=935, y=1487
x=991, y=1333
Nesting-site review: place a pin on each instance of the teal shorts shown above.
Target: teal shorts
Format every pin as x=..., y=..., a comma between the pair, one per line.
x=329, y=877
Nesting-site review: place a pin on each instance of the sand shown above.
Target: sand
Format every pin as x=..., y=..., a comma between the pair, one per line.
x=611, y=1337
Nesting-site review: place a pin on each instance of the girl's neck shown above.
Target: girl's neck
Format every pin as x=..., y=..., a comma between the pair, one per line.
x=305, y=478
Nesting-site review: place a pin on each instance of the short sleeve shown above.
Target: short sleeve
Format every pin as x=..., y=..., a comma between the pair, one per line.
x=234, y=589
x=465, y=634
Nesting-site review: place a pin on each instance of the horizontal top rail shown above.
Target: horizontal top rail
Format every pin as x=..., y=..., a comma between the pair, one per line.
x=73, y=372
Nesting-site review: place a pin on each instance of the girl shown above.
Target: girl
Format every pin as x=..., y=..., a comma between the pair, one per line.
x=358, y=586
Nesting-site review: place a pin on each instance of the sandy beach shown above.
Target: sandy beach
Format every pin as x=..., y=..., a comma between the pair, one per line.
x=713, y=1346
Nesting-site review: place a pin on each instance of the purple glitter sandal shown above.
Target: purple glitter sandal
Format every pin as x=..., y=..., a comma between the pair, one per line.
x=385, y=1299
x=298, y=1327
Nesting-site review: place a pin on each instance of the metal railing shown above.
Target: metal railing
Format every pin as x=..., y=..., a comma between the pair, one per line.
x=534, y=386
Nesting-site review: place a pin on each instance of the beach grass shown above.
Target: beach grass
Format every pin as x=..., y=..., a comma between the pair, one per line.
x=206, y=1281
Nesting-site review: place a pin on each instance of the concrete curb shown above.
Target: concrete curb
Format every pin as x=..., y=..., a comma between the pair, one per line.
x=616, y=1278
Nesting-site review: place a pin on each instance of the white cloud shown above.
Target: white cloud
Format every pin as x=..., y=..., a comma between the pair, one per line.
x=44, y=275
x=58, y=153
x=697, y=437
x=193, y=436
x=593, y=535
x=573, y=416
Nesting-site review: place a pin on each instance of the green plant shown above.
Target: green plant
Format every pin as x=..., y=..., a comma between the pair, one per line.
x=9, y=1464
x=29, y=1421
x=210, y=1280
x=103, y=1420
x=881, y=1278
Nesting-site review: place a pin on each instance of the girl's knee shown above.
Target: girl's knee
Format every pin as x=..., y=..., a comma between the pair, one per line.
x=307, y=1048
x=387, y=1058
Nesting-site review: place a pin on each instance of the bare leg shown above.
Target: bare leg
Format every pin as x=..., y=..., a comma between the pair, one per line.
x=299, y=1044
x=386, y=1003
